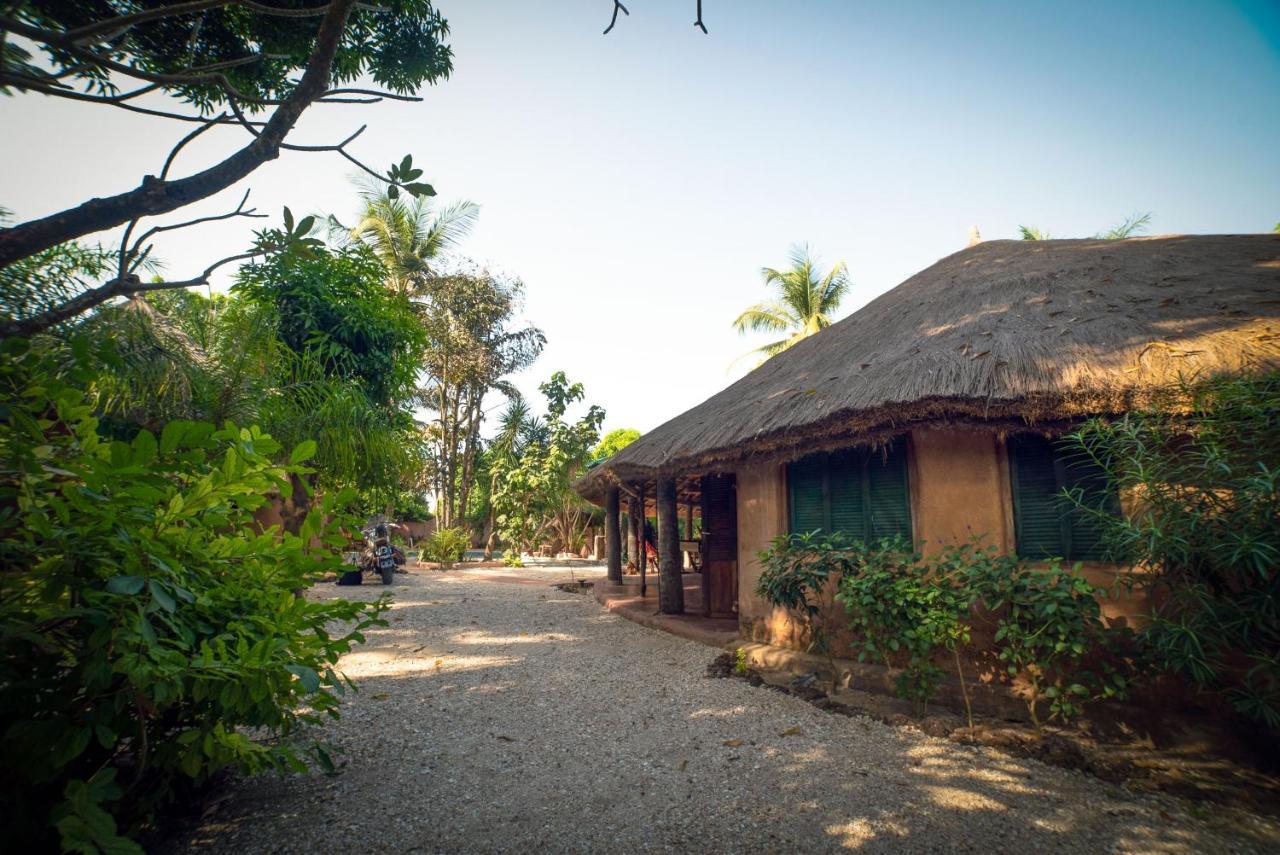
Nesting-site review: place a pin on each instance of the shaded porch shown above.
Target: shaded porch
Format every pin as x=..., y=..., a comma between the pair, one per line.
x=681, y=524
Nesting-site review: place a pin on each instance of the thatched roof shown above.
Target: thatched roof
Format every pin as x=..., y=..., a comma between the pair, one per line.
x=1003, y=331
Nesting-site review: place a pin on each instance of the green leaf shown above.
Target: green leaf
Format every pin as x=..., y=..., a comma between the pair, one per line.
x=144, y=448
x=125, y=584
x=307, y=676
x=420, y=189
x=304, y=450
x=161, y=597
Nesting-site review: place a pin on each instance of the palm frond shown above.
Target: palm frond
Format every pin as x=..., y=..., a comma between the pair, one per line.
x=1032, y=233
x=1134, y=224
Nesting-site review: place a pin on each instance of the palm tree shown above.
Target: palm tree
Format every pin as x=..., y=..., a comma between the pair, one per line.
x=407, y=234
x=1133, y=225
x=804, y=305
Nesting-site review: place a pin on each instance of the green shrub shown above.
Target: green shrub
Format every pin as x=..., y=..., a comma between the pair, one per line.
x=511, y=558
x=1049, y=628
x=146, y=624
x=901, y=604
x=446, y=545
x=908, y=610
x=798, y=573
x=1203, y=470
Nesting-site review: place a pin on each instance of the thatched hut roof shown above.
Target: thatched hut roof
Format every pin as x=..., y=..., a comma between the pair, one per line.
x=1010, y=332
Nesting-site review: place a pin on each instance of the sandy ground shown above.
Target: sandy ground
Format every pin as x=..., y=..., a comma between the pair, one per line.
x=498, y=714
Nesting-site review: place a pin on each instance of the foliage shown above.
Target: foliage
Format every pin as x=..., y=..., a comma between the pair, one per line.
x=146, y=620
x=39, y=282
x=804, y=306
x=908, y=610
x=613, y=442
x=740, y=666
x=1130, y=226
x=903, y=604
x=225, y=57
x=475, y=344
x=408, y=235
x=331, y=306
x=799, y=575
x=446, y=545
x=1203, y=468
x=400, y=49
x=535, y=465
x=1049, y=626
x=511, y=558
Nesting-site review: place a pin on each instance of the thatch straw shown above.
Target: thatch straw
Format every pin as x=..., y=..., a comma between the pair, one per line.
x=1001, y=333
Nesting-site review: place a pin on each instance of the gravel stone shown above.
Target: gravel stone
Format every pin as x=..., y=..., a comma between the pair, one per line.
x=498, y=714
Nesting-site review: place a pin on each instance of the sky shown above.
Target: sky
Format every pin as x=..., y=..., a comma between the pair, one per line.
x=636, y=182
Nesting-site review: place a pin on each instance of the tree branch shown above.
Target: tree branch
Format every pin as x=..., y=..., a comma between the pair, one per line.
x=698, y=23
x=156, y=196
x=115, y=26
x=614, y=20
x=119, y=287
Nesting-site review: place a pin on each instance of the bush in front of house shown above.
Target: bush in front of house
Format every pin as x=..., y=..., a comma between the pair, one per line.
x=1203, y=470
x=908, y=611
x=147, y=624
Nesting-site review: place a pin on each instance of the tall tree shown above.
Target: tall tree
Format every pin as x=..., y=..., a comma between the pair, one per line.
x=804, y=303
x=410, y=235
x=227, y=62
x=532, y=492
x=474, y=343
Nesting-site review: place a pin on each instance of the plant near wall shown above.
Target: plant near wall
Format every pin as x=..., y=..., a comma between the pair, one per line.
x=901, y=604
x=1049, y=630
x=147, y=622
x=1203, y=466
x=798, y=575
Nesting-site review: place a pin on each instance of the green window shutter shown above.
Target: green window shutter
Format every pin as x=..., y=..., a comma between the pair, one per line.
x=804, y=484
x=1087, y=538
x=846, y=494
x=889, y=501
x=1037, y=509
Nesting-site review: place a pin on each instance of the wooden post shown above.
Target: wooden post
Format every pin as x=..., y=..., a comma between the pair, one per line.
x=612, y=535
x=631, y=530
x=643, y=556
x=671, y=593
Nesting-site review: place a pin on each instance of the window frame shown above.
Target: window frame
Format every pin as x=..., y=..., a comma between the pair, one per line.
x=1063, y=510
x=864, y=455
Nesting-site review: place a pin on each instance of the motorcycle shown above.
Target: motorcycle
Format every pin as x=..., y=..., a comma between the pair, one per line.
x=378, y=556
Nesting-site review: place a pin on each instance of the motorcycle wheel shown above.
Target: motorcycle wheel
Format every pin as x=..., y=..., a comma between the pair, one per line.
x=388, y=575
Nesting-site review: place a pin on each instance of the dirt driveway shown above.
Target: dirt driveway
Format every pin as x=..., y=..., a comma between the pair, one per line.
x=497, y=713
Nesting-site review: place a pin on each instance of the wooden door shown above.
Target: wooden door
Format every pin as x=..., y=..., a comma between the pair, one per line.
x=720, y=543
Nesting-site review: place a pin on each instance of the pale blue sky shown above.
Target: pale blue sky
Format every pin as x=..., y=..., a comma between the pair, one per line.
x=638, y=181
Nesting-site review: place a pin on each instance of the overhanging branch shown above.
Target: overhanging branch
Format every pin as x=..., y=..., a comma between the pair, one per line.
x=156, y=196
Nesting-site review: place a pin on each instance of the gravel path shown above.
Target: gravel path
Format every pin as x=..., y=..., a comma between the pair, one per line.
x=497, y=715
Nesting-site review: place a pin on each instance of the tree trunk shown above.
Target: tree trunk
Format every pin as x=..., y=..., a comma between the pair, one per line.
x=671, y=590
x=612, y=535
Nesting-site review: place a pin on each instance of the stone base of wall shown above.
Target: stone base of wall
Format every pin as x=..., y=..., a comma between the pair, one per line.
x=985, y=698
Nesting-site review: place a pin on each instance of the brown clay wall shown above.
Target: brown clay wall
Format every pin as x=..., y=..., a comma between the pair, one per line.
x=960, y=488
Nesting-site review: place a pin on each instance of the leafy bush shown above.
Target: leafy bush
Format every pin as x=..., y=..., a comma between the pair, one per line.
x=1049, y=628
x=907, y=609
x=446, y=545
x=511, y=558
x=901, y=604
x=1203, y=469
x=146, y=622
x=798, y=573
